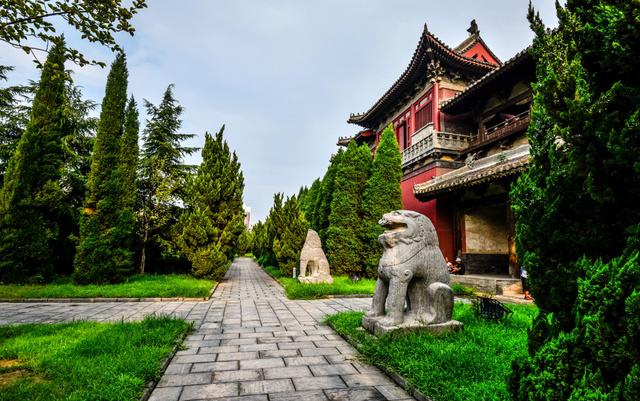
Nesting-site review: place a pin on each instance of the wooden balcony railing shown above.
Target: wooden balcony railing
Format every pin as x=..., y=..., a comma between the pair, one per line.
x=435, y=140
x=518, y=123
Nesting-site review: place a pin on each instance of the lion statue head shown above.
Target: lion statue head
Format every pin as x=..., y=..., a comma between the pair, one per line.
x=406, y=227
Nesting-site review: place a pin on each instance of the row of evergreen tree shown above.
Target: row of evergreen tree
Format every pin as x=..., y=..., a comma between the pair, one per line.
x=343, y=207
x=97, y=206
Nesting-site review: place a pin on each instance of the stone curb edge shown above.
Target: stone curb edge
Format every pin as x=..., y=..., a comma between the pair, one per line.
x=96, y=300
x=165, y=364
x=399, y=380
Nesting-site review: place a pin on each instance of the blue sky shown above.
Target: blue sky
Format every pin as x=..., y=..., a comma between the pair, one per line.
x=284, y=75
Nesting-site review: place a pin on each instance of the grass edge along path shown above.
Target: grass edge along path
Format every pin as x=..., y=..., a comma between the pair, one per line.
x=139, y=286
x=342, y=286
x=472, y=364
x=85, y=360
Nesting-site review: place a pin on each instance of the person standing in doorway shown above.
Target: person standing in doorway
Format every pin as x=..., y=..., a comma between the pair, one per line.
x=524, y=275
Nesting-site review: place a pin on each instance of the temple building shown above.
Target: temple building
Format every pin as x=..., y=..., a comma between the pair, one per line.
x=460, y=117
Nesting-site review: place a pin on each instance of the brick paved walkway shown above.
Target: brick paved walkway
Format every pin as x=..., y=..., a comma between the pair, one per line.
x=250, y=344
x=255, y=345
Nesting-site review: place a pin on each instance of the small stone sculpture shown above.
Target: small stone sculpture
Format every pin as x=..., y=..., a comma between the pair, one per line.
x=413, y=280
x=314, y=267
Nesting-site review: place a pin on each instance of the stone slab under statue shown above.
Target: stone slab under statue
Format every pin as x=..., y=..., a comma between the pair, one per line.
x=314, y=267
x=413, y=288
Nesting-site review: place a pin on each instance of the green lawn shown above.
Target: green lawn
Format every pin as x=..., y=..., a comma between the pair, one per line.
x=342, y=285
x=472, y=364
x=84, y=361
x=145, y=286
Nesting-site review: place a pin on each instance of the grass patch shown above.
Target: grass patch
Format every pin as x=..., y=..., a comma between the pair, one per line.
x=462, y=290
x=342, y=285
x=140, y=286
x=469, y=365
x=84, y=360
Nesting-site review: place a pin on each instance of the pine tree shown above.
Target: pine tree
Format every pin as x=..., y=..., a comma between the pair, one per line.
x=346, y=228
x=14, y=116
x=275, y=226
x=208, y=231
x=163, y=174
x=325, y=197
x=289, y=244
x=104, y=253
x=577, y=213
x=30, y=197
x=382, y=194
x=129, y=156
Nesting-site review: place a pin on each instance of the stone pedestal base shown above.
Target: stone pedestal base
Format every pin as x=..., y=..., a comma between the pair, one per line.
x=317, y=279
x=374, y=326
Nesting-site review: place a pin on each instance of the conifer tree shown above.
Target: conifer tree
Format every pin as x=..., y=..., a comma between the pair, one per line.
x=163, y=174
x=275, y=226
x=346, y=228
x=289, y=243
x=208, y=231
x=30, y=197
x=382, y=194
x=325, y=197
x=308, y=207
x=129, y=156
x=104, y=253
x=14, y=116
x=577, y=213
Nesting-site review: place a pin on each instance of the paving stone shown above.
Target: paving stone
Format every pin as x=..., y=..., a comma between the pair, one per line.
x=319, y=351
x=258, y=347
x=288, y=372
x=236, y=375
x=178, y=368
x=266, y=386
x=393, y=392
x=355, y=394
x=278, y=353
x=299, y=396
x=194, y=358
x=218, y=350
x=262, y=363
x=214, y=366
x=184, y=380
x=217, y=390
x=166, y=394
x=329, y=370
x=318, y=382
x=305, y=360
x=261, y=397
x=365, y=379
x=237, y=356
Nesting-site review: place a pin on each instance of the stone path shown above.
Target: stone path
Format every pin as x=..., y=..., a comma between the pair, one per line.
x=250, y=344
x=255, y=345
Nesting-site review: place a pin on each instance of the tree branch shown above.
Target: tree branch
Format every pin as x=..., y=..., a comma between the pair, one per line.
x=37, y=17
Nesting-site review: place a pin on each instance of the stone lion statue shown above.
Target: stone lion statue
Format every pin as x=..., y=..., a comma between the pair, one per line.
x=413, y=279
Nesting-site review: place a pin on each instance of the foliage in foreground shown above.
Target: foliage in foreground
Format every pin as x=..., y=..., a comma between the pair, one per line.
x=342, y=285
x=208, y=230
x=30, y=199
x=469, y=365
x=86, y=361
x=27, y=24
x=140, y=286
x=577, y=214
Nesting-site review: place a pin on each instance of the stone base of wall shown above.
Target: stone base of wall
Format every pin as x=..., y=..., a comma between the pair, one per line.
x=482, y=263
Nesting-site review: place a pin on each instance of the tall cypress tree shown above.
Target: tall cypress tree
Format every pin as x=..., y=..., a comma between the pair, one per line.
x=577, y=208
x=274, y=226
x=382, y=194
x=30, y=200
x=325, y=197
x=129, y=156
x=309, y=205
x=346, y=228
x=104, y=253
x=288, y=246
x=208, y=230
x=163, y=174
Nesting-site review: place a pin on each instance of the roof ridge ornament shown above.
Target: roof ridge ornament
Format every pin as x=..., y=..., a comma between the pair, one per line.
x=473, y=28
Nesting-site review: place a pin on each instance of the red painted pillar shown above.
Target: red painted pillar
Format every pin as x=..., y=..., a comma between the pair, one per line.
x=436, y=105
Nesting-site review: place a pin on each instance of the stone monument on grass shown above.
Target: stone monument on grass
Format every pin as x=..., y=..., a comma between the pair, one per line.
x=413, y=279
x=314, y=267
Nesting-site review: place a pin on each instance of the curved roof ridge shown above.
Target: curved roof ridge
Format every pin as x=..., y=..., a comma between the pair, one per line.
x=429, y=43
